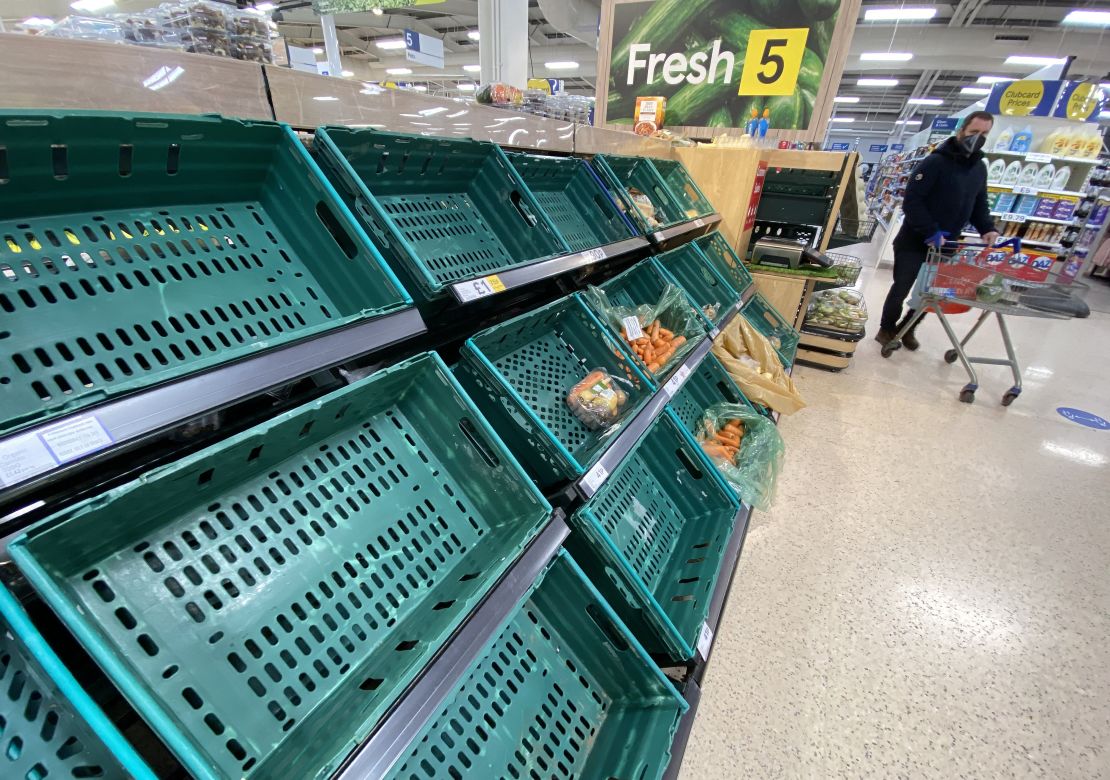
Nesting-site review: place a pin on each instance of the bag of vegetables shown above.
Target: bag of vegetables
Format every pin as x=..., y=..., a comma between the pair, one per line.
x=746, y=448
x=752, y=362
x=659, y=334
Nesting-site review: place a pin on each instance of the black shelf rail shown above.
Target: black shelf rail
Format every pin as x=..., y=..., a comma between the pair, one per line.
x=673, y=236
x=423, y=698
x=483, y=286
x=59, y=449
x=692, y=694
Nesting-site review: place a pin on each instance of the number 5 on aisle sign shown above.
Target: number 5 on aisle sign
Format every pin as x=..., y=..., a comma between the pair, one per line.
x=772, y=61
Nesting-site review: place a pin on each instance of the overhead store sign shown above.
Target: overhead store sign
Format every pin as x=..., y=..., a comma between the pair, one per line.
x=718, y=63
x=878, y=148
x=1027, y=97
x=1081, y=101
x=897, y=147
x=839, y=147
x=423, y=49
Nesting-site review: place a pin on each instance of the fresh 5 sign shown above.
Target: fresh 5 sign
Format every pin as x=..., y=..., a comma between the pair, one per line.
x=423, y=49
x=716, y=61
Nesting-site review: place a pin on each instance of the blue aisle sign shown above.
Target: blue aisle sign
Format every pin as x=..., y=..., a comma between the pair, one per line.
x=897, y=147
x=1083, y=418
x=945, y=123
x=842, y=146
x=423, y=49
x=878, y=147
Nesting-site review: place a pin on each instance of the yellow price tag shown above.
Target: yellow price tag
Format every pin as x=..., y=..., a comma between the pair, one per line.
x=495, y=283
x=772, y=61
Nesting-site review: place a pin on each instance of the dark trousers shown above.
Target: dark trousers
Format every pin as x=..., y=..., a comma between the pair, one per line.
x=909, y=256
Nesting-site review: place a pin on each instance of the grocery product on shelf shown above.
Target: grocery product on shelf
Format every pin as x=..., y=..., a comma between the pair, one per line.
x=1061, y=177
x=1004, y=140
x=746, y=448
x=597, y=400
x=756, y=368
x=996, y=170
x=840, y=309
x=1023, y=140
x=329, y=606
x=1012, y=174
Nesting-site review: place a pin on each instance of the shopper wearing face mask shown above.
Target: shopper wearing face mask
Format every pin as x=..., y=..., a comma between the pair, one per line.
x=944, y=192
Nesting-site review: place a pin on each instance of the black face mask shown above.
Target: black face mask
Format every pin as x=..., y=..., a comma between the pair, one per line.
x=970, y=144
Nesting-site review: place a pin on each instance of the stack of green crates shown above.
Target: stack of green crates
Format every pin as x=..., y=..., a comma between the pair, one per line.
x=442, y=210
x=263, y=602
x=136, y=249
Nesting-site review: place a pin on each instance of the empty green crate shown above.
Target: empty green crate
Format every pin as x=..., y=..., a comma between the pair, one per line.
x=136, y=249
x=442, y=210
x=725, y=261
x=575, y=200
x=683, y=189
x=693, y=272
x=766, y=319
x=652, y=538
x=519, y=373
x=709, y=384
x=622, y=173
x=646, y=283
x=50, y=725
x=262, y=602
x=563, y=691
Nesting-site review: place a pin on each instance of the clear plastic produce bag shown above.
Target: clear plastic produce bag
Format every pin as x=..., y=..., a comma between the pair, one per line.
x=597, y=400
x=755, y=467
x=671, y=326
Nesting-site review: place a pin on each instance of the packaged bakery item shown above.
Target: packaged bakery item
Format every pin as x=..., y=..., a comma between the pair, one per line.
x=644, y=206
x=597, y=400
x=648, y=116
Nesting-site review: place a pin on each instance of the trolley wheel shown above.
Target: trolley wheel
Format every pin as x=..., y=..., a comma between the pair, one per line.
x=1011, y=394
x=950, y=356
x=967, y=396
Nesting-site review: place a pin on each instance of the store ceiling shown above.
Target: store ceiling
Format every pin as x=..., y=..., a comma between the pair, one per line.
x=962, y=42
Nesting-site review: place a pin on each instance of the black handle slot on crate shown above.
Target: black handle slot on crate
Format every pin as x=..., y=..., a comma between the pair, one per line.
x=341, y=236
x=605, y=624
x=468, y=430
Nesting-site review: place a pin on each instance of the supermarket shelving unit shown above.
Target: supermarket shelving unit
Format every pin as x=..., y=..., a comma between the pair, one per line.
x=155, y=425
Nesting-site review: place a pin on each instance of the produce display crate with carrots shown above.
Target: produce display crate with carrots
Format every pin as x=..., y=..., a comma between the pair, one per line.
x=722, y=443
x=653, y=316
x=708, y=385
x=745, y=447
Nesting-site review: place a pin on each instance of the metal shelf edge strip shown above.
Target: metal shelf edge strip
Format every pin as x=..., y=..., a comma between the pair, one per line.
x=376, y=756
x=545, y=269
x=126, y=420
x=692, y=694
x=590, y=482
x=692, y=227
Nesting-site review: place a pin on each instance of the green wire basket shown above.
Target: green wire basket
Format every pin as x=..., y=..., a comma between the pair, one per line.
x=564, y=691
x=652, y=538
x=136, y=249
x=263, y=602
x=442, y=210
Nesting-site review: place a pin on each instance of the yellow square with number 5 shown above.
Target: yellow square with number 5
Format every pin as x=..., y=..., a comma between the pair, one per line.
x=772, y=61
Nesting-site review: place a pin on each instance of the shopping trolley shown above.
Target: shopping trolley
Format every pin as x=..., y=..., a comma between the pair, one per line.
x=1001, y=280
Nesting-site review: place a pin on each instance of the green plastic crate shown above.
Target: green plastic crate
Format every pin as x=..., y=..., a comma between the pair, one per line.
x=652, y=538
x=564, y=691
x=725, y=261
x=137, y=249
x=683, y=189
x=575, y=200
x=692, y=271
x=262, y=602
x=766, y=319
x=442, y=210
x=708, y=385
x=50, y=725
x=620, y=173
x=519, y=373
x=645, y=283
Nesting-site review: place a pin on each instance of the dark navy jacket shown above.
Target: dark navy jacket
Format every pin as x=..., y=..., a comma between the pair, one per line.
x=945, y=191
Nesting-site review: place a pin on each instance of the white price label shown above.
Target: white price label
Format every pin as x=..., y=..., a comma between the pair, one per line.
x=479, y=288
x=1023, y=190
x=594, y=255
x=1013, y=216
x=699, y=222
x=675, y=382
x=632, y=328
x=74, y=438
x=594, y=478
x=33, y=453
x=24, y=457
x=705, y=640
x=1038, y=157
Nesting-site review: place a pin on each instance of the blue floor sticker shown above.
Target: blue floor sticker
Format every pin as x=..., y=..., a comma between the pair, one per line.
x=1083, y=418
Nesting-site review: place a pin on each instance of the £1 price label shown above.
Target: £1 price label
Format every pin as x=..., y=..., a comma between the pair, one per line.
x=480, y=288
x=773, y=61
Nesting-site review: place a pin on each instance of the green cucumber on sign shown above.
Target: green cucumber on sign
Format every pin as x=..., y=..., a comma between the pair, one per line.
x=718, y=61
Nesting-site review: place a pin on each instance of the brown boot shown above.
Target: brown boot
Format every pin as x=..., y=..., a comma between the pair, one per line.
x=885, y=336
x=908, y=338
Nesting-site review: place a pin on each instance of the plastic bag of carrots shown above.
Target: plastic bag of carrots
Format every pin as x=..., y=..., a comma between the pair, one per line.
x=746, y=448
x=658, y=334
